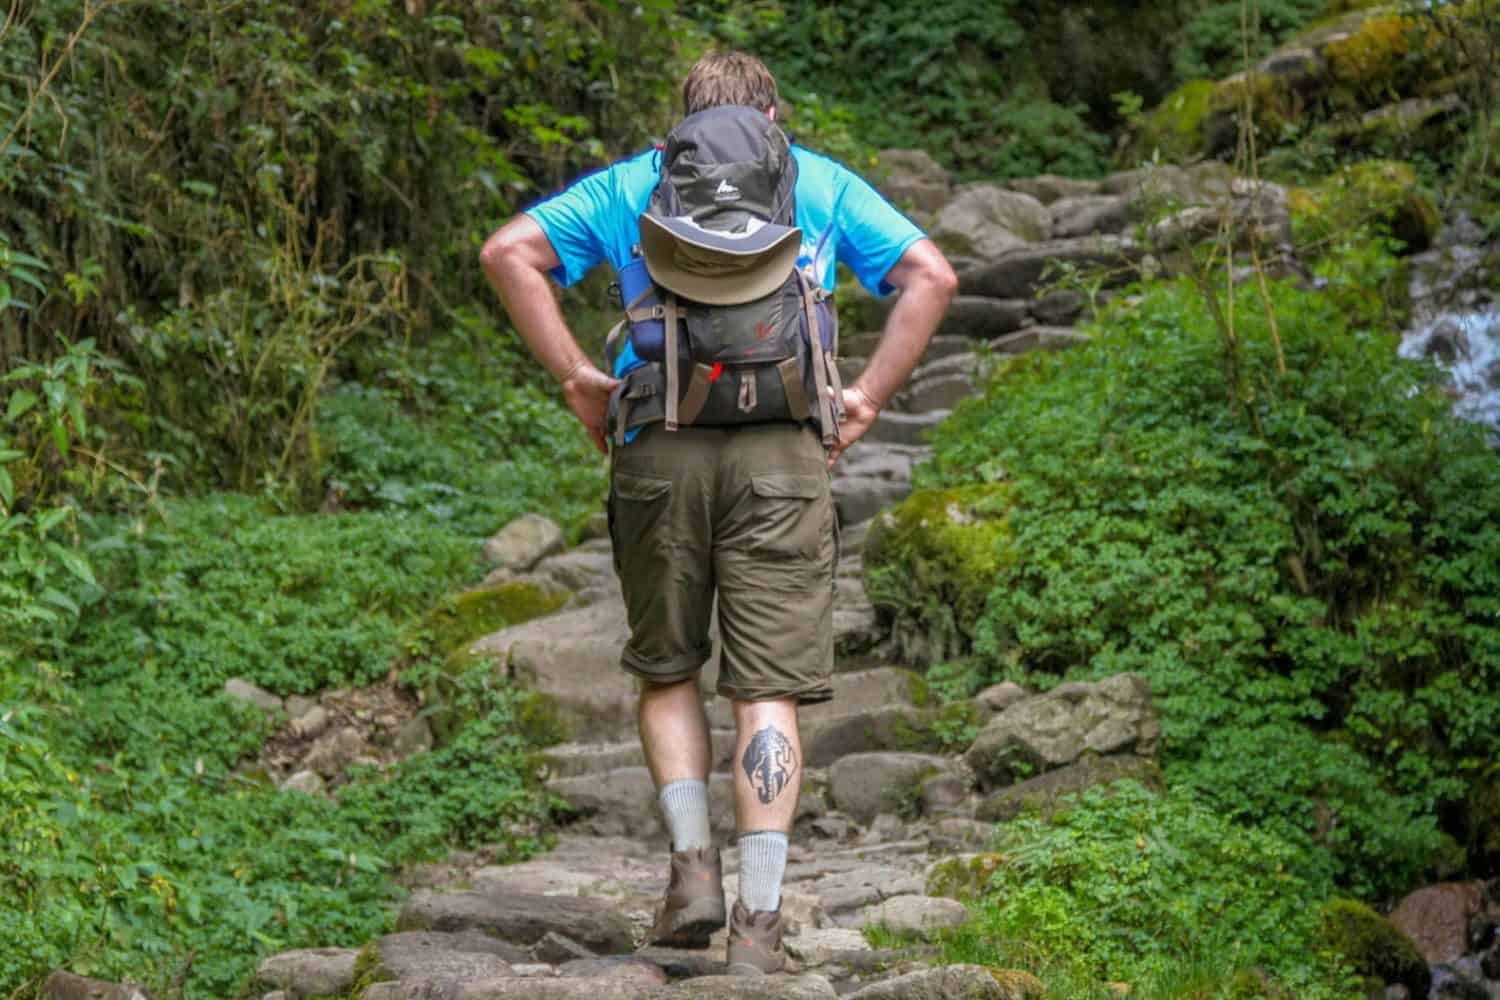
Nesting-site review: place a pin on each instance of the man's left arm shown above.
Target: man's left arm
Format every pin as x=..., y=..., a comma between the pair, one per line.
x=927, y=284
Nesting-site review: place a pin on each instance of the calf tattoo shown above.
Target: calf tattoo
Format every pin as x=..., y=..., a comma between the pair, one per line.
x=769, y=763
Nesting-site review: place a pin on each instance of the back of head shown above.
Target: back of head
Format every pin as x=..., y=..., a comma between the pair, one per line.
x=720, y=78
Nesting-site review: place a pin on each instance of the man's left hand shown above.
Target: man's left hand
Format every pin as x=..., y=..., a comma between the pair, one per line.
x=859, y=415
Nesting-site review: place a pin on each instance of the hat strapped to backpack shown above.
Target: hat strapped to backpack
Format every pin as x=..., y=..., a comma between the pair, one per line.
x=715, y=289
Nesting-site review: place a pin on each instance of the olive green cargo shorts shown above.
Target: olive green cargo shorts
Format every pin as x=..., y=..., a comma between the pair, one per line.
x=742, y=511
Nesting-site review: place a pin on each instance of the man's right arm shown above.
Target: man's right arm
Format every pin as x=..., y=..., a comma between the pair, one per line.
x=516, y=260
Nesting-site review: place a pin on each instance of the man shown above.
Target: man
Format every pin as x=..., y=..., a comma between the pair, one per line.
x=744, y=512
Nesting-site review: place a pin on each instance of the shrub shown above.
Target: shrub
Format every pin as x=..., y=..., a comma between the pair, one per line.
x=1302, y=565
x=1127, y=886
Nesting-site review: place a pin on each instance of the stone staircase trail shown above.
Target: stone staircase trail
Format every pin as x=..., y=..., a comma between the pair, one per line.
x=897, y=791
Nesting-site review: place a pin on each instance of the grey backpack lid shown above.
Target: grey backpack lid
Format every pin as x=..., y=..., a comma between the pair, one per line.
x=718, y=267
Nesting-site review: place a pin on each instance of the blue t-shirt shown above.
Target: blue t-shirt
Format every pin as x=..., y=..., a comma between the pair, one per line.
x=842, y=218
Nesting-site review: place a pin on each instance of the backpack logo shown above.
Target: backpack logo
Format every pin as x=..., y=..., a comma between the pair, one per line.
x=726, y=192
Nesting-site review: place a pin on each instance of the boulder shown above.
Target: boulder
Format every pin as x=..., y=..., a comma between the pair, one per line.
x=1049, y=188
x=620, y=969
x=808, y=986
x=515, y=987
x=912, y=176
x=817, y=946
x=306, y=782
x=973, y=317
x=893, y=727
x=1038, y=338
x=859, y=498
x=62, y=985
x=939, y=392
x=964, y=877
x=863, y=785
x=998, y=697
x=1436, y=917
x=520, y=918
x=308, y=972
x=243, y=690
x=1048, y=731
x=917, y=914
x=437, y=958
x=904, y=428
x=985, y=220
x=1059, y=307
x=846, y=888
x=1089, y=214
x=333, y=752
x=618, y=803
x=557, y=949
x=950, y=981
x=589, y=569
x=523, y=543
x=1043, y=791
x=414, y=736
x=1017, y=273
x=1373, y=946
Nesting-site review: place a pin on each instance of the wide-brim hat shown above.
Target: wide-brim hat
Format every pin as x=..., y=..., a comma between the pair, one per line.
x=719, y=267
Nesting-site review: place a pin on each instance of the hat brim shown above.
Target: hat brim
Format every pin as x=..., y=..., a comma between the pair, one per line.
x=718, y=268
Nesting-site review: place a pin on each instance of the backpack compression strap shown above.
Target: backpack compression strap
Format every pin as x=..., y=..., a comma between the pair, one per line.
x=669, y=345
x=828, y=406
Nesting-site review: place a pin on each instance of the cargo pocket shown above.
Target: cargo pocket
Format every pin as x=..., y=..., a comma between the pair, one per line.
x=791, y=515
x=637, y=509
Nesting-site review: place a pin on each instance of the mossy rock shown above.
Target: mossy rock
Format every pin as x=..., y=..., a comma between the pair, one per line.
x=368, y=970
x=931, y=561
x=1373, y=945
x=1379, y=192
x=963, y=878
x=1173, y=130
x=1018, y=984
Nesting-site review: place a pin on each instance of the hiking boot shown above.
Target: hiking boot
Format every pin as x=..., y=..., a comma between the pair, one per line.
x=755, y=941
x=694, y=905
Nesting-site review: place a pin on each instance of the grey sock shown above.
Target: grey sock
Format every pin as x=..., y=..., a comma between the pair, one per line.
x=762, y=867
x=685, y=804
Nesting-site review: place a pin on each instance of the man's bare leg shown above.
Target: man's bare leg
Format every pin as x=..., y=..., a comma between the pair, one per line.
x=767, y=780
x=674, y=736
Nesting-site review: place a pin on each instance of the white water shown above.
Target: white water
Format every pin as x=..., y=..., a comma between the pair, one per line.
x=1466, y=344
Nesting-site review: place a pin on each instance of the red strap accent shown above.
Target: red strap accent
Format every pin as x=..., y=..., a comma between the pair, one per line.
x=713, y=376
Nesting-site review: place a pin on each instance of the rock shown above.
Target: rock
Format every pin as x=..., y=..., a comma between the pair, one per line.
x=955, y=833
x=311, y=723
x=414, y=736
x=861, y=345
x=1049, y=188
x=1088, y=214
x=940, y=392
x=1436, y=917
x=815, y=946
x=298, y=705
x=1043, y=791
x=555, y=949
x=536, y=986
x=1373, y=946
x=913, y=176
x=242, y=690
x=520, y=918
x=904, y=428
x=1172, y=185
x=948, y=982
x=627, y=969
x=895, y=727
x=980, y=318
x=1045, y=732
x=964, y=877
x=306, y=782
x=436, y=958
x=919, y=914
x=1060, y=307
x=596, y=525
x=863, y=785
x=998, y=697
x=1038, y=338
x=845, y=886
x=985, y=220
x=780, y=987
x=308, y=972
x=1297, y=63
x=1017, y=273
x=62, y=985
x=618, y=803
x=574, y=659
x=859, y=498
x=944, y=793
x=523, y=543
x=335, y=751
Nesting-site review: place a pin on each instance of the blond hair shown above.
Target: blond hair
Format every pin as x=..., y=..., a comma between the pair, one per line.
x=728, y=78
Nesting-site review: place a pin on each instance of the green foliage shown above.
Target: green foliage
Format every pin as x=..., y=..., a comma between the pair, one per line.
x=1173, y=130
x=1163, y=893
x=1302, y=565
x=227, y=589
x=1216, y=38
x=450, y=430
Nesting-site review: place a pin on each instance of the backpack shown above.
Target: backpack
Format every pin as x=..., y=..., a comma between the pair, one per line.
x=731, y=329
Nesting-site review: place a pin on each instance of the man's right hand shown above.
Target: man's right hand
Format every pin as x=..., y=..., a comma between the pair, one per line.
x=587, y=391
x=859, y=415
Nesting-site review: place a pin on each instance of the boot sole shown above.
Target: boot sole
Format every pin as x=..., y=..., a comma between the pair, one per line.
x=695, y=924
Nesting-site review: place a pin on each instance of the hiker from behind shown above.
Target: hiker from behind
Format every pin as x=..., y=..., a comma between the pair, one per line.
x=723, y=413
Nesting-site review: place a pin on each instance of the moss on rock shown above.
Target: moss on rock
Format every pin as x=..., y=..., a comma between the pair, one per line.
x=1373, y=945
x=1378, y=192
x=368, y=970
x=1173, y=130
x=963, y=878
x=930, y=563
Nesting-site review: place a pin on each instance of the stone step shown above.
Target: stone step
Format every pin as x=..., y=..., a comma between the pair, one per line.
x=859, y=498
x=861, y=345
x=969, y=317
x=905, y=428
x=1017, y=274
x=572, y=760
x=934, y=392
x=1040, y=338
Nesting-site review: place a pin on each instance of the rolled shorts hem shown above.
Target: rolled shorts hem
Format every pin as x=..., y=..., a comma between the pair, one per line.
x=809, y=694
x=678, y=668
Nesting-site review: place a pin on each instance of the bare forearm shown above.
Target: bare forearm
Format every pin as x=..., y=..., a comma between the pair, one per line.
x=908, y=328
x=535, y=314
